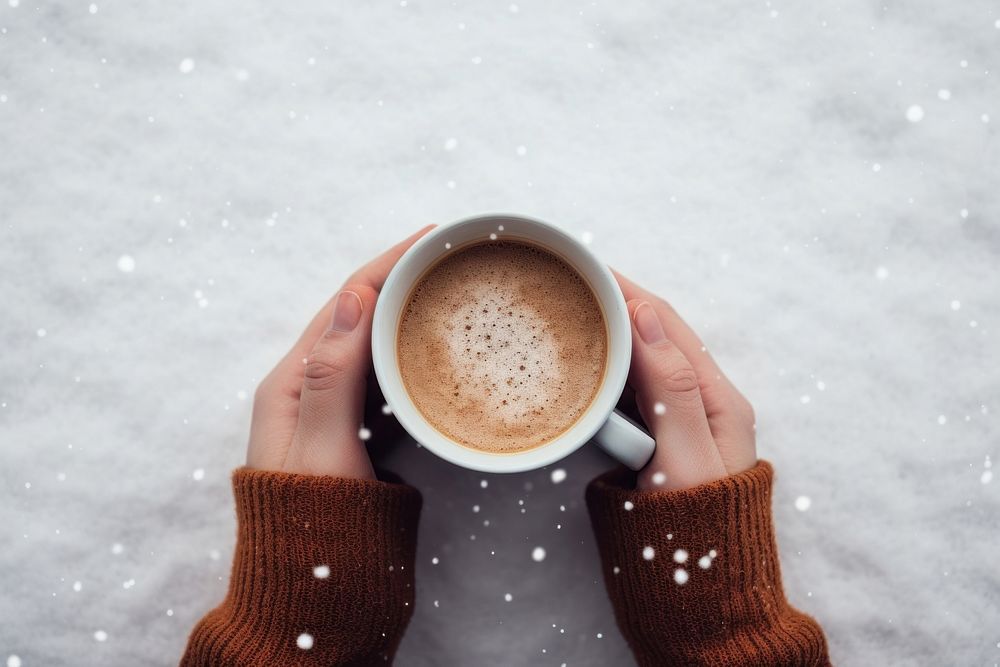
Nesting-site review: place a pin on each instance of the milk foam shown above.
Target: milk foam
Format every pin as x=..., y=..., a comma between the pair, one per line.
x=512, y=374
x=502, y=346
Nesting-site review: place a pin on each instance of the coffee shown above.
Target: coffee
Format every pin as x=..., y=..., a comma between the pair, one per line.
x=502, y=346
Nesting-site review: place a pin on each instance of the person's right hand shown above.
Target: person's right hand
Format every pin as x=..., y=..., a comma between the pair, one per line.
x=703, y=426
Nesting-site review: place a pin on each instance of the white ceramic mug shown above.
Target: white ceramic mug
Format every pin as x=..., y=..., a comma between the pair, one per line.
x=614, y=432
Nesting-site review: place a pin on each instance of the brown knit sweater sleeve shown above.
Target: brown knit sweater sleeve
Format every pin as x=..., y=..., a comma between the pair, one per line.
x=694, y=576
x=280, y=609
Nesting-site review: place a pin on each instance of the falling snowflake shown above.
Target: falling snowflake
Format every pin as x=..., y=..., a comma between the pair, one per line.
x=680, y=576
x=304, y=641
x=802, y=503
x=101, y=636
x=77, y=586
x=451, y=144
x=538, y=554
x=321, y=571
x=117, y=548
x=558, y=475
x=13, y=661
x=628, y=505
x=364, y=434
x=126, y=264
x=386, y=410
x=881, y=273
x=659, y=408
x=508, y=597
x=680, y=556
x=186, y=66
x=648, y=553
x=705, y=562
x=198, y=474
x=915, y=113
x=483, y=483
x=659, y=478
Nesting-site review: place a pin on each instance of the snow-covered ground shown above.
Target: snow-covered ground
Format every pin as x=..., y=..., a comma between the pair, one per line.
x=813, y=185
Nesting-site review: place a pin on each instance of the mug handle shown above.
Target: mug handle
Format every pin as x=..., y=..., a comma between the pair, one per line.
x=625, y=440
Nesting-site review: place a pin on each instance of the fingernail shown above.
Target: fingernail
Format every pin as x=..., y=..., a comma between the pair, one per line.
x=346, y=312
x=648, y=324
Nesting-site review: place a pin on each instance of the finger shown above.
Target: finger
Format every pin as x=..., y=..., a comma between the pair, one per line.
x=669, y=399
x=331, y=406
x=730, y=416
x=679, y=332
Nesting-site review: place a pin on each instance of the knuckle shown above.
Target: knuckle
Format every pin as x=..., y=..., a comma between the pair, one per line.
x=681, y=380
x=325, y=368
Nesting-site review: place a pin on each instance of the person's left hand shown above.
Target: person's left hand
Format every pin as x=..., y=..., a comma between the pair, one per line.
x=308, y=411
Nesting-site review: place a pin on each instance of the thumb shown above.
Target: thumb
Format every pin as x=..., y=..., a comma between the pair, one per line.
x=332, y=402
x=669, y=399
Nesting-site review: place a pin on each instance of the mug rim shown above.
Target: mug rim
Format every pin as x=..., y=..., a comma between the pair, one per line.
x=389, y=377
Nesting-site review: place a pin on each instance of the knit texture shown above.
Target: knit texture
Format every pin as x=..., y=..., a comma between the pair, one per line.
x=364, y=531
x=733, y=612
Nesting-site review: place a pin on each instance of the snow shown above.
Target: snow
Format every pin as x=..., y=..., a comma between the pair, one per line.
x=766, y=156
x=538, y=554
x=321, y=571
x=558, y=475
x=648, y=553
x=304, y=641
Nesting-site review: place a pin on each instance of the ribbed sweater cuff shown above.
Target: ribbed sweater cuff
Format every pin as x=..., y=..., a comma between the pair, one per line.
x=694, y=576
x=362, y=531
